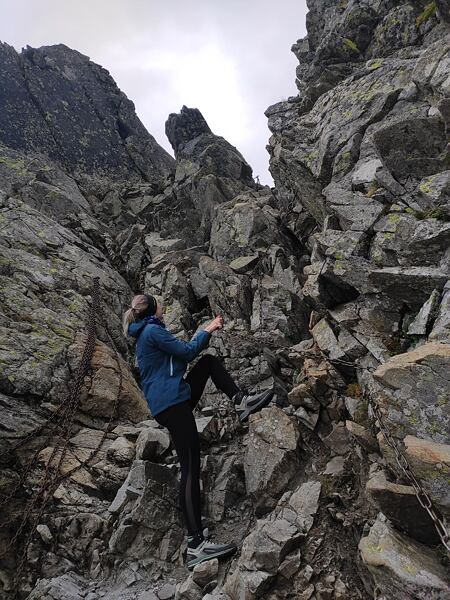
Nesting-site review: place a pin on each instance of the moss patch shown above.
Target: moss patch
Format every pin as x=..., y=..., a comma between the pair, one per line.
x=17, y=165
x=354, y=390
x=428, y=12
x=432, y=213
x=351, y=44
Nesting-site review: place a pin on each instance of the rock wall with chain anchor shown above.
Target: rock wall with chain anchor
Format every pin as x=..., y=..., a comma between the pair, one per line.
x=59, y=428
x=334, y=287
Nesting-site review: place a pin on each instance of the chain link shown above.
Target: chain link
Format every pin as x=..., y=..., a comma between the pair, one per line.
x=63, y=418
x=422, y=496
x=405, y=468
x=52, y=476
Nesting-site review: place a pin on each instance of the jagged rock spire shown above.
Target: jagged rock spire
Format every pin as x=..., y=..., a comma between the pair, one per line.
x=185, y=126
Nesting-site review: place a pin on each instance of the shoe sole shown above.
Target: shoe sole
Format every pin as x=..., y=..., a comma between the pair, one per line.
x=223, y=554
x=265, y=400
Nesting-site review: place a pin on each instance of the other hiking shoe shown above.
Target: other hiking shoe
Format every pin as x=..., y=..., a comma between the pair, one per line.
x=207, y=550
x=246, y=404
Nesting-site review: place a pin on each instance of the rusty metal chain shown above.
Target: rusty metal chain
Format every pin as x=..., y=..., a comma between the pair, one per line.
x=52, y=434
x=50, y=482
x=115, y=411
x=59, y=478
x=35, y=432
x=54, y=421
x=42, y=496
x=68, y=409
x=28, y=466
x=405, y=468
x=422, y=496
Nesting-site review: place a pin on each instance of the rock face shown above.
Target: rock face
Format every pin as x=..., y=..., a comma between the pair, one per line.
x=413, y=388
x=270, y=460
x=334, y=286
x=402, y=568
x=185, y=127
x=57, y=102
x=139, y=527
x=400, y=504
x=271, y=548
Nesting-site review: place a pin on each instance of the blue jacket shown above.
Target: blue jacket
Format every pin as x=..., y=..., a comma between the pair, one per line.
x=162, y=360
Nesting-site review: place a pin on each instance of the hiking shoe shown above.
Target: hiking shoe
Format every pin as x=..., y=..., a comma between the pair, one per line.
x=247, y=404
x=206, y=550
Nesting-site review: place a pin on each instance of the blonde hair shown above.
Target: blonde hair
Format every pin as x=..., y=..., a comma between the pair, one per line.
x=138, y=304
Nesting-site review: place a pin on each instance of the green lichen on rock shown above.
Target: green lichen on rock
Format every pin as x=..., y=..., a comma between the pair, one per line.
x=16, y=165
x=53, y=195
x=442, y=400
x=310, y=157
x=344, y=160
x=351, y=44
x=435, y=427
x=62, y=331
x=74, y=307
x=425, y=187
x=413, y=418
x=394, y=218
x=372, y=65
x=427, y=13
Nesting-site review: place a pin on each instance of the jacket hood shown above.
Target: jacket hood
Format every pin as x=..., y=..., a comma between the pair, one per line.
x=135, y=328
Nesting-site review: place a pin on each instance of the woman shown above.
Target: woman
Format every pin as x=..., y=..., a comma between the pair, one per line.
x=162, y=360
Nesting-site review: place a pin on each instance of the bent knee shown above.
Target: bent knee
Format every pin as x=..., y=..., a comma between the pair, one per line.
x=209, y=358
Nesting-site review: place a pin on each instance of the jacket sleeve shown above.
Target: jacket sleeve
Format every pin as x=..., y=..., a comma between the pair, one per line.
x=170, y=344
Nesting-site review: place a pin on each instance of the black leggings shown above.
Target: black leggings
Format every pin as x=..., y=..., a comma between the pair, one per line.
x=180, y=422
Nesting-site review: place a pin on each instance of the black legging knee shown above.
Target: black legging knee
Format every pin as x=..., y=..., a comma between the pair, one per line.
x=180, y=422
x=209, y=366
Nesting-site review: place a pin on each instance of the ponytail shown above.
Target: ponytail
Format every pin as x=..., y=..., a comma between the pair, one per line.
x=128, y=318
x=139, y=306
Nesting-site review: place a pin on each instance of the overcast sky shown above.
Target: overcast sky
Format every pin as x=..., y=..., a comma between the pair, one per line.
x=229, y=58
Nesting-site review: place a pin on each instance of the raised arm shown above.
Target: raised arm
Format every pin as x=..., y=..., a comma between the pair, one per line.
x=170, y=344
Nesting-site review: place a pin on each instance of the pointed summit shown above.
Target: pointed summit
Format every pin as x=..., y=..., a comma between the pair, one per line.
x=192, y=140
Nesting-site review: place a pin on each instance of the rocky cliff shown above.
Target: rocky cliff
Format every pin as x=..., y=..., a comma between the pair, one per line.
x=335, y=288
x=56, y=101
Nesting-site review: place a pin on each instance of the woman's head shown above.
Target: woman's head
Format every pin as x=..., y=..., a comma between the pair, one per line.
x=142, y=305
